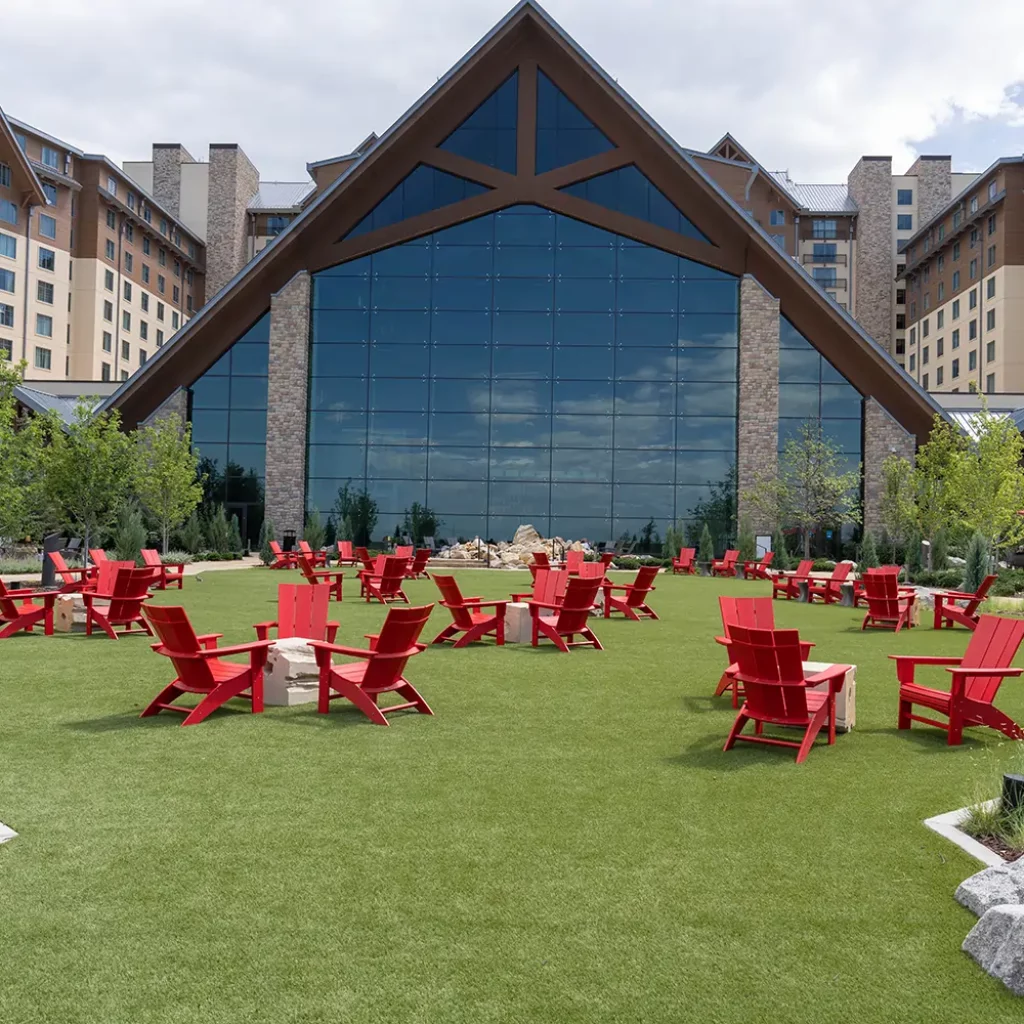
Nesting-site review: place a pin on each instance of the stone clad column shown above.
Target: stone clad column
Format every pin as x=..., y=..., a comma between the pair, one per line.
x=758, y=391
x=870, y=185
x=287, y=396
x=883, y=437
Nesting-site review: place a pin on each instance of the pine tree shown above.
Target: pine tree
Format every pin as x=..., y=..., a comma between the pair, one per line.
x=977, y=562
x=940, y=551
x=746, y=542
x=266, y=536
x=706, y=552
x=868, y=552
x=781, y=562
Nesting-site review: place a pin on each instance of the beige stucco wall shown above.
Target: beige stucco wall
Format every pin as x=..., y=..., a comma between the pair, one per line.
x=195, y=193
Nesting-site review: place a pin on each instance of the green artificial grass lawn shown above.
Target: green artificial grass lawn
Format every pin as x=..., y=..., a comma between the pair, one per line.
x=564, y=840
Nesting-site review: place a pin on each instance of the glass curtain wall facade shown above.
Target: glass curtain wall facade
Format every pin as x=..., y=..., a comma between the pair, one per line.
x=524, y=367
x=228, y=410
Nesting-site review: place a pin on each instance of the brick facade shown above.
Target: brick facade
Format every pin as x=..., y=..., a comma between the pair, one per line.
x=883, y=437
x=870, y=184
x=934, y=186
x=167, y=160
x=287, y=389
x=758, y=391
x=233, y=182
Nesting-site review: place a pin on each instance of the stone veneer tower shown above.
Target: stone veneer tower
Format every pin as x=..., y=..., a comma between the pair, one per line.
x=233, y=182
x=870, y=185
x=934, y=185
x=167, y=160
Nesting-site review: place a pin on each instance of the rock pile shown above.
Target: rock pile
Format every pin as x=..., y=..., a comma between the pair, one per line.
x=515, y=554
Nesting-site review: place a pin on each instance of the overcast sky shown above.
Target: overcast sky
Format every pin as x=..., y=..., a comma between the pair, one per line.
x=806, y=86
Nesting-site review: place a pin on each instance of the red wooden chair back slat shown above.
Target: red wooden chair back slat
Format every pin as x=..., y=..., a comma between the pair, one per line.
x=993, y=644
x=747, y=612
x=130, y=589
x=803, y=569
x=549, y=586
x=404, y=551
x=771, y=669
x=541, y=560
x=638, y=590
x=882, y=592
x=980, y=594
x=575, y=607
x=364, y=556
x=98, y=556
x=607, y=558
x=592, y=570
x=419, y=562
x=302, y=611
x=178, y=641
x=151, y=557
x=686, y=556
x=573, y=561
x=840, y=572
x=400, y=633
x=9, y=608
x=730, y=557
x=451, y=597
x=345, y=548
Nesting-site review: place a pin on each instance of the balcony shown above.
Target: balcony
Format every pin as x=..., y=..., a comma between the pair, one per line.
x=838, y=258
x=836, y=284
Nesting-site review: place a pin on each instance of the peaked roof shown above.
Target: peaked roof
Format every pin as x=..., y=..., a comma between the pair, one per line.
x=818, y=198
x=34, y=193
x=526, y=38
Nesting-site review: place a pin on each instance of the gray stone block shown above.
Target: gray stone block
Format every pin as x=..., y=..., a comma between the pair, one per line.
x=993, y=887
x=996, y=942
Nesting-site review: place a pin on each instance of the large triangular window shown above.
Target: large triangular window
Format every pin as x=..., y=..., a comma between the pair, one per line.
x=564, y=133
x=426, y=188
x=488, y=135
x=628, y=191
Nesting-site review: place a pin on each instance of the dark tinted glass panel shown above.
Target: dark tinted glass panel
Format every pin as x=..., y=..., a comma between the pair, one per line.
x=459, y=428
x=340, y=325
x=584, y=261
x=398, y=428
x=413, y=259
x=461, y=328
x=247, y=458
x=394, y=496
x=700, y=364
x=799, y=366
x=521, y=396
x=339, y=360
x=397, y=462
x=460, y=396
x=564, y=133
x=337, y=428
x=210, y=425
x=523, y=362
x=524, y=260
x=522, y=328
x=701, y=329
x=342, y=293
x=470, y=294
x=703, y=467
x=645, y=399
x=581, y=431
x=399, y=360
x=643, y=500
x=698, y=432
x=457, y=464
x=522, y=499
x=701, y=398
x=584, y=363
x=646, y=364
x=212, y=393
x=520, y=463
x=799, y=400
x=582, y=464
x=338, y=393
x=460, y=361
x=412, y=293
x=517, y=429
x=247, y=393
x=405, y=327
x=584, y=329
x=627, y=190
x=465, y=498
x=584, y=397
x=646, y=329
x=335, y=460
x=580, y=500
x=463, y=260
x=250, y=360
x=398, y=395
x=645, y=467
x=644, y=432
x=488, y=135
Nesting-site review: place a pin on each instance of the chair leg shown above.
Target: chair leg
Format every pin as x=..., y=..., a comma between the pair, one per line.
x=906, y=709
x=812, y=733
x=499, y=632
x=592, y=637
x=446, y=634
x=955, y=733
x=214, y=699
x=737, y=728
x=723, y=684
x=551, y=634
x=411, y=694
x=168, y=695
x=362, y=700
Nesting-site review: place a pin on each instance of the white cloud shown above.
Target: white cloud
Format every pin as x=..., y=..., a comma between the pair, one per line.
x=805, y=86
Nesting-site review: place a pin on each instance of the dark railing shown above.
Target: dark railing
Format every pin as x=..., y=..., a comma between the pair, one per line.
x=836, y=284
x=839, y=258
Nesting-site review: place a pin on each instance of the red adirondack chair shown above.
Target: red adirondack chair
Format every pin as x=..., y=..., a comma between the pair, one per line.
x=330, y=578
x=197, y=662
x=572, y=616
x=831, y=589
x=685, y=563
x=769, y=664
x=404, y=551
x=858, y=585
x=888, y=606
x=758, y=570
x=726, y=565
x=345, y=555
x=117, y=600
x=18, y=610
x=749, y=613
x=573, y=561
x=384, y=584
x=977, y=677
x=282, y=559
x=467, y=616
x=75, y=579
x=381, y=667
x=98, y=556
x=418, y=569
x=788, y=583
x=171, y=573
x=301, y=612
x=548, y=588
x=948, y=607
x=607, y=557
x=318, y=557
x=540, y=561
x=633, y=603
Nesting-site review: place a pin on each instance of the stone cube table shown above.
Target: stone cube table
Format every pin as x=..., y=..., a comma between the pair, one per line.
x=517, y=623
x=846, y=698
x=68, y=612
x=291, y=676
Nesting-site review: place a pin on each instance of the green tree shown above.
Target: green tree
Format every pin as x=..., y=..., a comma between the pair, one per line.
x=976, y=562
x=88, y=469
x=313, y=534
x=191, y=534
x=935, y=472
x=128, y=536
x=868, y=552
x=675, y=539
x=897, y=507
x=989, y=481
x=166, y=473
x=218, y=531
x=706, y=548
x=360, y=511
x=718, y=509
x=746, y=541
x=940, y=550
x=420, y=521
x=266, y=536
x=781, y=561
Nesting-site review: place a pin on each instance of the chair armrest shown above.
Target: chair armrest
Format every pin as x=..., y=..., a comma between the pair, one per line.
x=958, y=595
x=923, y=659
x=15, y=595
x=478, y=603
x=724, y=641
x=332, y=631
x=618, y=586
x=833, y=674
x=991, y=673
x=263, y=629
x=520, y=598
x=210, y=639
x=218, y=652
x=321, y=647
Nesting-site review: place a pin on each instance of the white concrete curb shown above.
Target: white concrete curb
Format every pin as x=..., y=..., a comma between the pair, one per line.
x=6, y=833
x=946, y=826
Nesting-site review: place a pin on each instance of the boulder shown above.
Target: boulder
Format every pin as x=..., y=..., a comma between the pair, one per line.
x=993, y=887
x=526, y=535
x=996, y=942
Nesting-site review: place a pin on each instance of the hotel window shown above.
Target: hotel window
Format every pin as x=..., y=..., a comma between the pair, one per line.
x=111, y=220
x=143, y=330
x=159, y=311
x=190, y=276
x=904, y=197
x=108, y=311
x=991, y=256
x=47, y=226
x=940, y=346
x=992, y=224
x=990, y=320
x=50, y=157
x=904, y=222
x=50, y=191
x=177, y=238
x=924, y=328
x=823, y=228
x=956, y=250
x=126, y=320
x=159, y=338
x=974, y=204
x=974, y=237
x=901, y=321
x=129, y=233
x=824, y=252
x=913, y=310
x=973, y=269
x=161, y=257
x=940, y=294
x=780, y=241
x=954, y=370
x=956, y=338
x=147, y=215
x=972, y=330
x=990, y=352
x=938, y=377
x=993, y=190
x=127, y=291
x=913, y=362
x=161, y=284
x=957, y=218
x=145, y=273
x=901, y=297
x=188, y=303
x=126, y=351
x=972, y=360
x=111, y=252
x=174, y=320
x=42, y=358
x=990, y=288
x=5, y=175
x=924, y=356
x=177, y=269
x=924, y=382
x=124, y=375
x=146, y=245
x=825, y=276
x=129, y=262
x=7, y=349
x=105, y=371
x=9, y=246
x=191, y=251
x=927, y=300
x=112, y=186
x=108, y=280
x=6, y=315
x=941, y=235
x=777, y=218
x=972, y=298
x=901, y=346
x=44, y=292
x=144, y=301
x=107, y=341
x=176, y=295
x=941, y=262
x=47, y=259
x=940, y=319
x=956, y=281
x=913, y=335
x=990, y=384
x=163, y=225
x=7, y=281
x=8, y=211
x=44, y=325
x=131, y=200
x=143, y=356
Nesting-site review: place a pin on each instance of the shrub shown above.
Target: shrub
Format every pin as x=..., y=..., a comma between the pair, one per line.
x=1009, y=583
x=217, y=530
x=976, y=563
x=782, y=560
x=313, y=534
x=868, y=552
x=675, y=539
x=746, y=542
x=129, y=535
x=236, y=544
x=185, y=557
x=706, y=547
x=190, y=534
x=266, y=536
x=330, y=532
x=947, y=579
x=20, y=565
x=940, y=551
x=913, y=562
x=626, y=562
x=823, y=565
